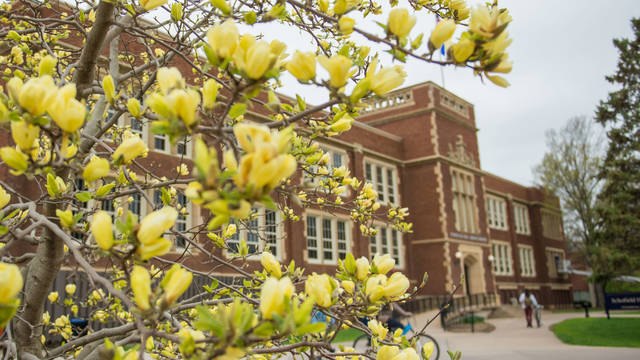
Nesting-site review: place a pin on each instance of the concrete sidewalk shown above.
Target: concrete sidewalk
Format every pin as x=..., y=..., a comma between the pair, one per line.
x=512, y=340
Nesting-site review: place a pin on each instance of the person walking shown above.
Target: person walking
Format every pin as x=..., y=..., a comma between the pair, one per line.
x=528, y=302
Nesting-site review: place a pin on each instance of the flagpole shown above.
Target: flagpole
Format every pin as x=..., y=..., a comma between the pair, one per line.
x=442, y=75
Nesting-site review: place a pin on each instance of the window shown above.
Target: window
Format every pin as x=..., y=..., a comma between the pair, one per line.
x=183, y=147
x=136, y=127
x=551, y=225
x=521, y=217
x=555, y=262
x=181, y=221
x=327, y=239
x=261, y=232
x=160, y=143
x=497, y=213
x=383, y=178
x=527, y=264
x=464, y=206
x=135, y=206
x=387, y=241
x=502, y=258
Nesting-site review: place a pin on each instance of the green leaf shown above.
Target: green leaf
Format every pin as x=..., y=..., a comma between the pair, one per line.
x=4, y=229
x=11, y=214
x=311, y=328
x=264, y=330
x=206, y=322
x=237, y=110
x=84, y=196
x=105, y=189
x=268, y=202
x=302, y=105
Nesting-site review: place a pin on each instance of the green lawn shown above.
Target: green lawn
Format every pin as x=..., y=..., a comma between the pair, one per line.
x=347, y=335
x=621, y=332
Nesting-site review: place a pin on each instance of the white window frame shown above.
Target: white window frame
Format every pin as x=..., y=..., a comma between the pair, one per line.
x=527, y=261
x=551, y=220
x=167, y=145
x=502, y=259
x=319, y=238
x=521, y=219
x=386, y=232
x=384, y=193
x=261, y=233
x=497, y=212
x=467, y=198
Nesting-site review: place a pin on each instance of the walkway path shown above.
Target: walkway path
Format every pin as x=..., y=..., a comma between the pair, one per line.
x=513, y=341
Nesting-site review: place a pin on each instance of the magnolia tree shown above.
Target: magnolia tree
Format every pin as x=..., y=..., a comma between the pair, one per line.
x=185, y=70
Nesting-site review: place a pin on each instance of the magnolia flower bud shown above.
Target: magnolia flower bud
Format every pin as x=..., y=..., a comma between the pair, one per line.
x=222, y=5
x=102, y=229
x=70, y=289
x=346, y=25
x=400, y=23
x=302, y=65
x=141, y=287
x=47, y=65
x=66, y=218
x=320, y=289
x=10, y=282
x=427, y=350
x=157, y=247
x=97, y=168
x=4, y=197
x=362, y=268
x=109, y=88
x=374, y=287
x=443, y=32
x=175, y=283
x=223, y=38
x=151, y=4
x=339, y=68
x=130, y=148
x=273, y=295
x=134, y=107
x=67, y=112
x=463, y=49
x=270, y=264
x=348, y=286
x=24, y=134
x=383, y=263
x=396, y=286
x=155, y=224
x=176, y=11
x=209, y=93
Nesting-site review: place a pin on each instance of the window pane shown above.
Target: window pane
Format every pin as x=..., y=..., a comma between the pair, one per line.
x=379, y=183
x=135, y=205
x=271, y=231
x=159, y=143
x=253, y=241
x=327, y=241
x=337, y=160
x=395, y=246
x=234, y=241
x=390, y=186
x=383, y=241
x=368, y=173
x=342, y=239
x=312, y=240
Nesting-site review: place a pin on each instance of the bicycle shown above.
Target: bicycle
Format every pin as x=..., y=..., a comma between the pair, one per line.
x=363, y=343
x=538, y=314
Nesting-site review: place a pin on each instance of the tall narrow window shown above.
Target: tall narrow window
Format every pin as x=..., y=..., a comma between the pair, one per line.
x=271, y=231
x=464, y=201
x=342, y=240
x=387, y=241
x=181, y=221
x=312, y=238
x=327, y=241
x=502, y=258
x=527, y=263
x=521, y=219
x=496, y=212
x=135, y=206
x=383, y=178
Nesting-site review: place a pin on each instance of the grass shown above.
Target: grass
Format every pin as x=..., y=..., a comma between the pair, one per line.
x=476, y=319
x=348, y=335
x=619, y=332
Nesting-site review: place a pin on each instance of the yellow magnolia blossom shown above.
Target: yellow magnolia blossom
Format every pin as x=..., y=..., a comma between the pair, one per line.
x=320, y=289
x=66, y=217
x=463, y=49
x=302, y=65
x=10, y=282
x=157, y=247
x=400, y=22
x=210, y=93
x=155, y=224
x=387, y=352
x=461, y=9
x=348, y=286
x=15, y=159
x=223, y=38
x=387, y=79
x=383, y=263
x=67, y=112
x=378, y=329
x=443, y=32
x=134, y=107
x=109, y=88
x=24, y=134
x=47, y=65
x=34, y=94
x=175, y=283
x=169, y=78
x=53, y=296
x=362, y=268
x=102, y=229
x=70, y=289
x=486, y=22
x=267, y=161
x=427, y=350
x=374, y=287
x=151, y=4
x=504, y=66
x=339, y=68
x=396, y=286
x=14, y=85
x=498, y=45
x=141, y=287
x=4, y=197
x=254, y=57
x=342, y=125
x=274, y=295
x=346, y=25
x=131, y=147
x=184, y=103
x=270, y=264
x=97, y=168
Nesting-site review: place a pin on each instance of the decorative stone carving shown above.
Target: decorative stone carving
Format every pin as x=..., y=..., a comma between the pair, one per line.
x=459, y=153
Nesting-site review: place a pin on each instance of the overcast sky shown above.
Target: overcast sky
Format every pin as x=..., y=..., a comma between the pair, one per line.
x=561, y=52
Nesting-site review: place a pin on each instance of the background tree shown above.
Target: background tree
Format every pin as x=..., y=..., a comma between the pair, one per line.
x=83, y=80
x=618, y=251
